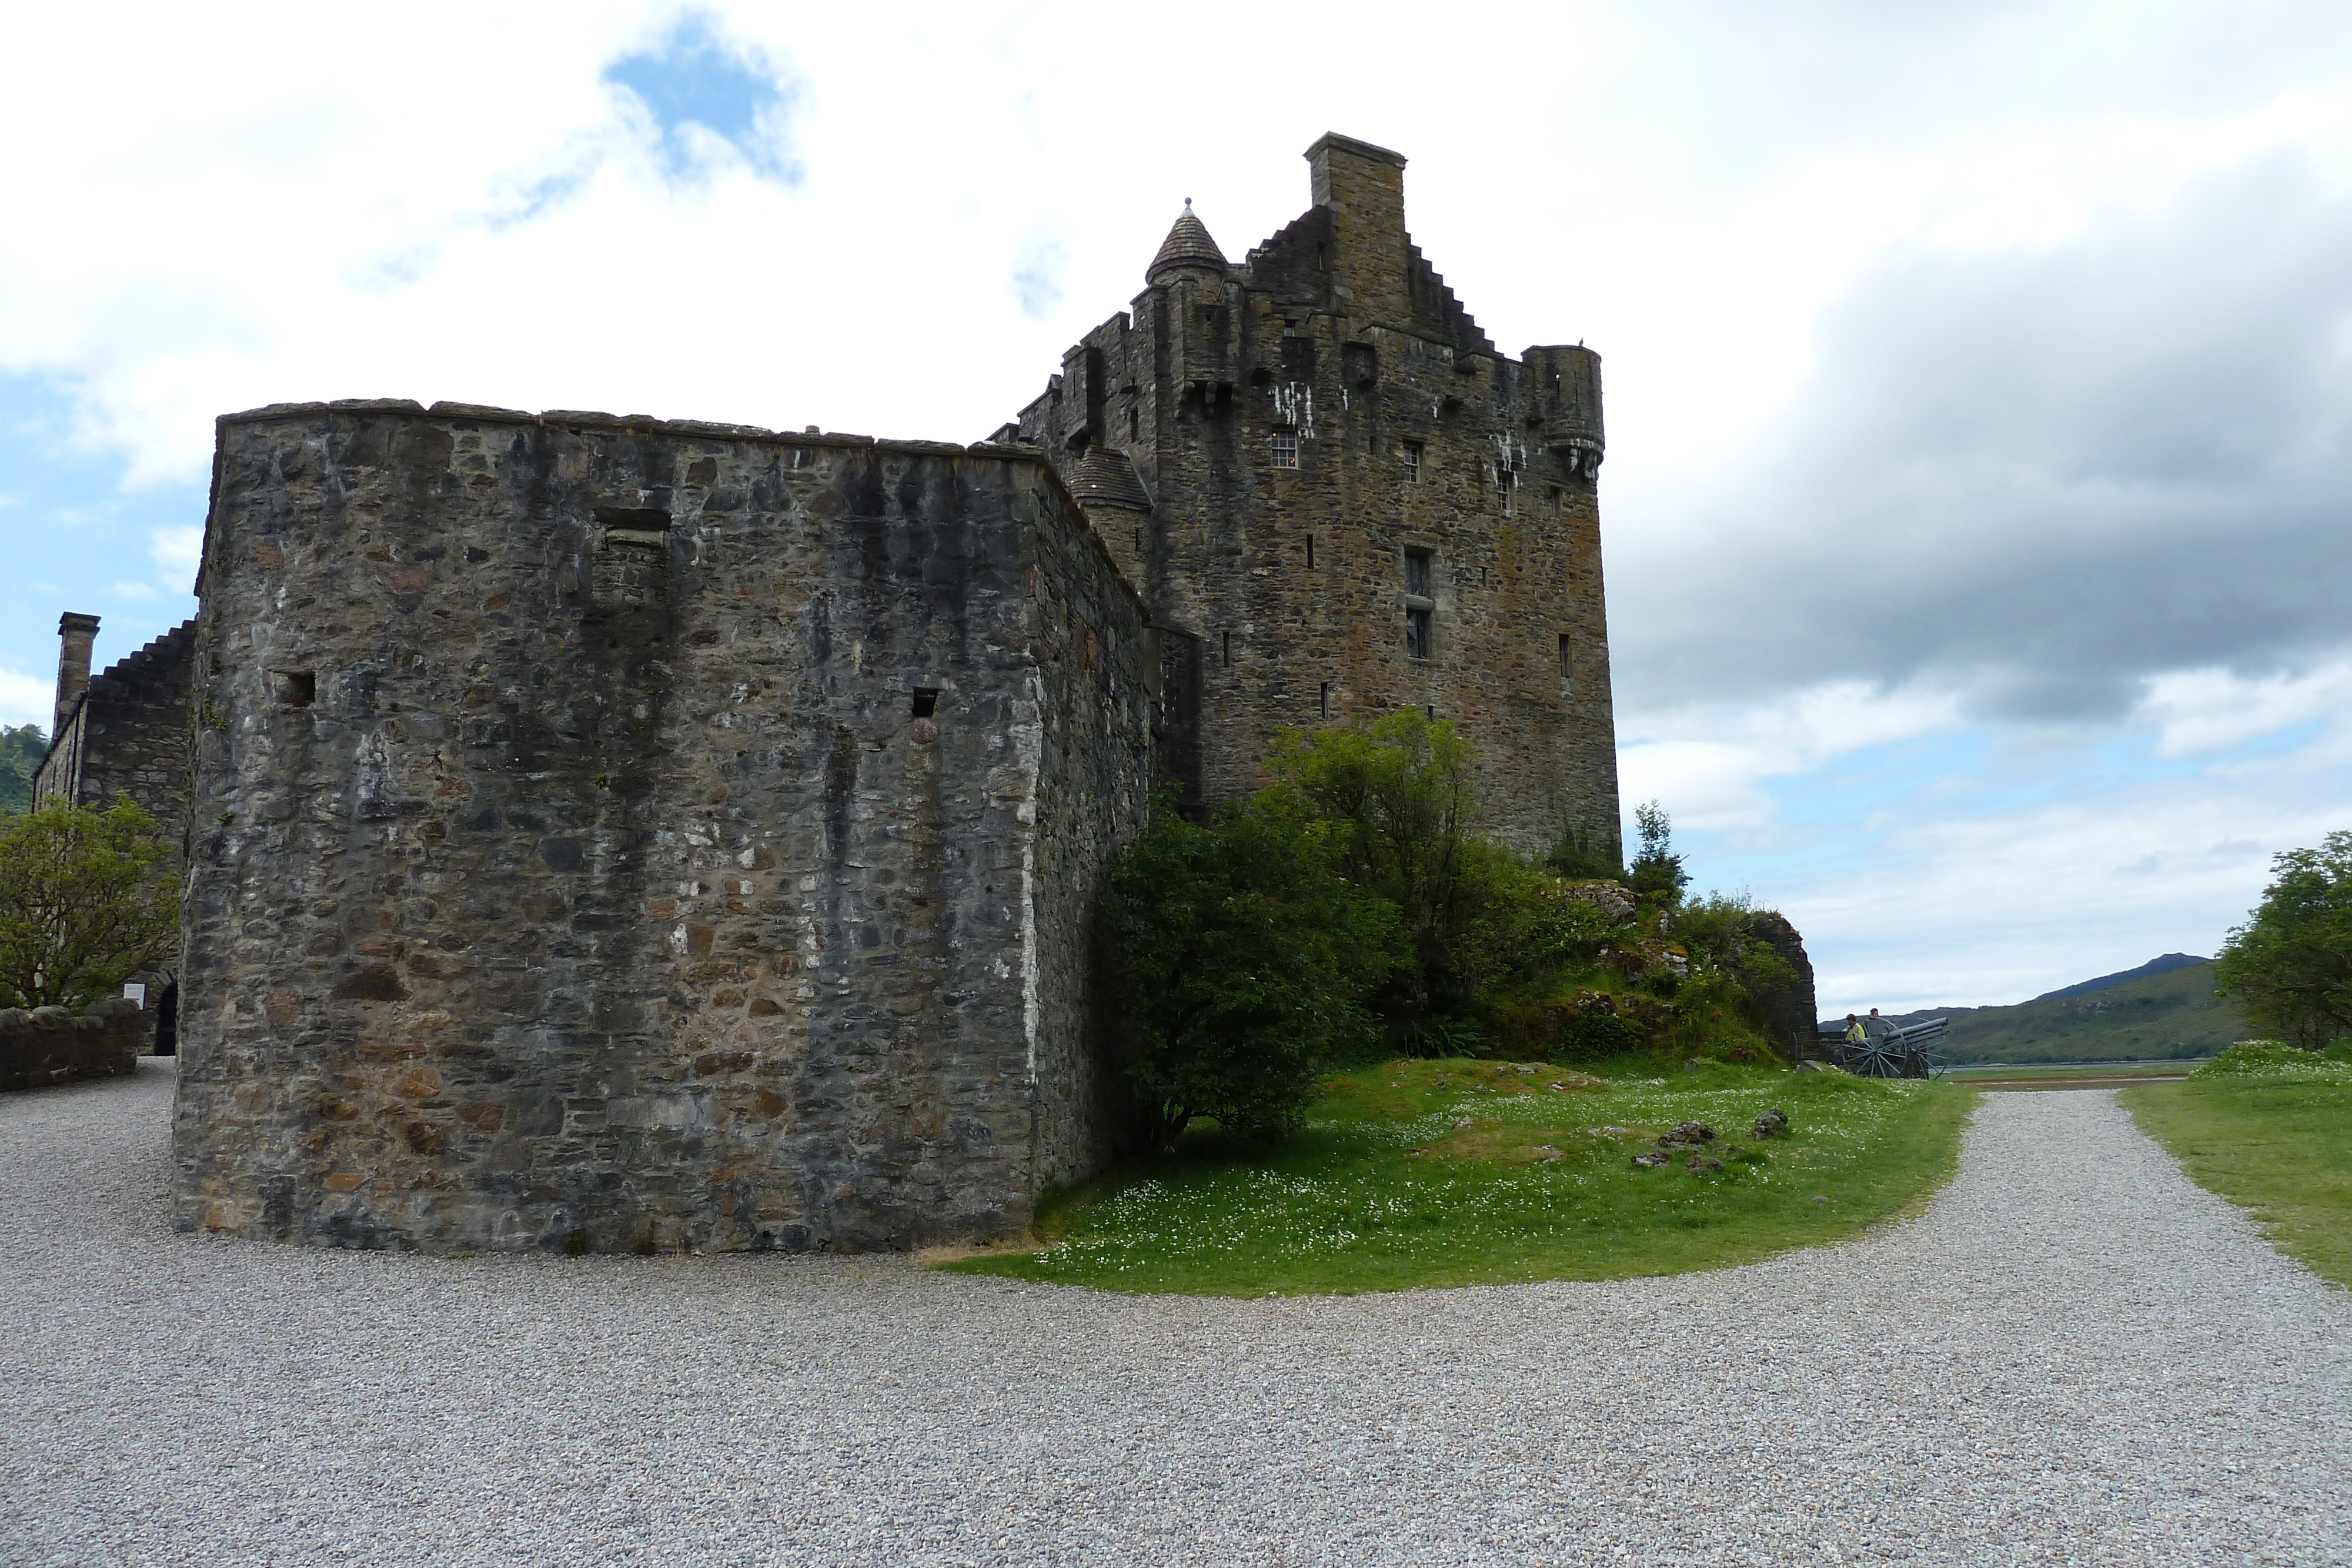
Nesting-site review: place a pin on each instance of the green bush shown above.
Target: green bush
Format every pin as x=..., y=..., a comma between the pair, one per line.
x=2274, y=1058
x=1240, y=961
x=1252, y=954
x=1393, y=799
x=1586, y=1038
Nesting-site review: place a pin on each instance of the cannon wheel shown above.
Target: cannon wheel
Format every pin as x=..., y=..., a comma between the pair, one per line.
x=1884, y=1057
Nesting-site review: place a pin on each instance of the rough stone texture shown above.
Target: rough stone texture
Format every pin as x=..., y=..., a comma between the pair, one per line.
x=618, y=835
x=1789, y=1010
x=1337, y=339
x=126, y=732
x=49, y=1046
x=2129, y=1376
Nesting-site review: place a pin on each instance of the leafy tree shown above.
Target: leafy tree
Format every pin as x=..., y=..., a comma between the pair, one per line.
x=21, y=750
x=1394, y=800
x=1240, y=960
x=81, y=907
x=1657, y=873
x=2290, y=965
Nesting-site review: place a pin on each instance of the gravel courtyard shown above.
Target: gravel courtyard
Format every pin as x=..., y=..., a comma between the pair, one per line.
x=2075, y=1356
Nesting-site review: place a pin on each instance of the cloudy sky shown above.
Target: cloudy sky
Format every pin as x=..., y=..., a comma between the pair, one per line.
x=1980, y=434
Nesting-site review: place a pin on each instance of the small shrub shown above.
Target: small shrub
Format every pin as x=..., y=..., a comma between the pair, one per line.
x=1657, y=873
x=2274, y=1058
x=1592, y=1037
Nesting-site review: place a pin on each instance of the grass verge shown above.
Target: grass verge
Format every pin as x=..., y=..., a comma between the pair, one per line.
x=2279, y=1145
x=1466, y=1173
x=1986, y=1071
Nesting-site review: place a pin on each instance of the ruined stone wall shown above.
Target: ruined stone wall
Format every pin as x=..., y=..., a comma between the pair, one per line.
x=617, y=834
x=1789, y=1013
x=45, y=1046
x=1270, y=408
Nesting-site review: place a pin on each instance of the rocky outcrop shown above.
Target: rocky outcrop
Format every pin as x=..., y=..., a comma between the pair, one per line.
x=1789, y=1009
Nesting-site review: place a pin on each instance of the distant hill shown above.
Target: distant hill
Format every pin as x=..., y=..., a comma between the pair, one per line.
x=2163, y=964
x=2164, y=1010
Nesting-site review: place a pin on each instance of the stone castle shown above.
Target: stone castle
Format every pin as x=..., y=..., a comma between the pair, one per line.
x=616, y=833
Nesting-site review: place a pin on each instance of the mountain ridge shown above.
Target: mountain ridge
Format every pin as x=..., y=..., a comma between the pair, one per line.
x=2164, y=1010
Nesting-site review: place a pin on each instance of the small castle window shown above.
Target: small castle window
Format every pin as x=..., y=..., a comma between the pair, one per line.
x=1554, y=494
x=1413, y=462
x=1286, y=449
x=1419, y=608
x=1228, y=649
x=927, y=701
x=1323, y=701
x=1134, y=421
x=296, y=688
x=1567, y=665
x=1507, y=487
x=1310, y=552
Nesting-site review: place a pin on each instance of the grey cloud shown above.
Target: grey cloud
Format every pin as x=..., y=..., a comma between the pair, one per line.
x=2039, y=477
x=1740, y=86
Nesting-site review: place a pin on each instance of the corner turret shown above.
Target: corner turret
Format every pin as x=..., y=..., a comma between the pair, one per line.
x=1188, y=245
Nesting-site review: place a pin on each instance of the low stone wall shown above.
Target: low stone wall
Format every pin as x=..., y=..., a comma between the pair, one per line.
x=48, y=1045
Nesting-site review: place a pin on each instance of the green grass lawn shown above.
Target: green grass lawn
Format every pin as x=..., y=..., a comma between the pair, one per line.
x=2279, y=1145
x=1463, y=1173
x=2028, y=1071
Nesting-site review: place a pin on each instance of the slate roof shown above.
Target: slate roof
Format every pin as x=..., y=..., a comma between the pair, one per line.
x=1188, y=245
x=1104, y=477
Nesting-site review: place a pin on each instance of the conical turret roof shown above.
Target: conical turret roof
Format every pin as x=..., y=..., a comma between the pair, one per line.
x=1188, y=245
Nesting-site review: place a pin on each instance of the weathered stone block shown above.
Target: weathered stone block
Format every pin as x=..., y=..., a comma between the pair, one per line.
x=717, y=757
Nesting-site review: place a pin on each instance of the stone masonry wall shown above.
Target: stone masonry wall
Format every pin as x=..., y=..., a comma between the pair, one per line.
x=48, y=1046
x=624, y=835
x=127, y=733
x=1306, y=423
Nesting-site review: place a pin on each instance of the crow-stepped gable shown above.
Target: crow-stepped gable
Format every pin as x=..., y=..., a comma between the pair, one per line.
x=1316, y=466
x=612, y=833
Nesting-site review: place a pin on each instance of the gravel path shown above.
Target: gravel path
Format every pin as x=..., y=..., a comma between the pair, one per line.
x=2075, y=1356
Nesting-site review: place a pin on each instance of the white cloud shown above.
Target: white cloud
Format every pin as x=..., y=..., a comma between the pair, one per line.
x=1710, y=760
x=299, y=203
x=26, y=699
x=135, y=589
x=2212, y=710
x=177, y=552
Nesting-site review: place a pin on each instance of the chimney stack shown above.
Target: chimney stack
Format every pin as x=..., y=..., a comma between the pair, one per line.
x=75, y=634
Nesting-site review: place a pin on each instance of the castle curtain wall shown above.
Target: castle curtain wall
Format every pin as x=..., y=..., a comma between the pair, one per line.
x=615, y=835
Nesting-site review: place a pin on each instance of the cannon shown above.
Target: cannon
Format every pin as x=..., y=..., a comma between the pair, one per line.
x=1886, y=1051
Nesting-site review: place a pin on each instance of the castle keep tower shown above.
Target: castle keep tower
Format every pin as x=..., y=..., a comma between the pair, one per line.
x=1316, y=466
